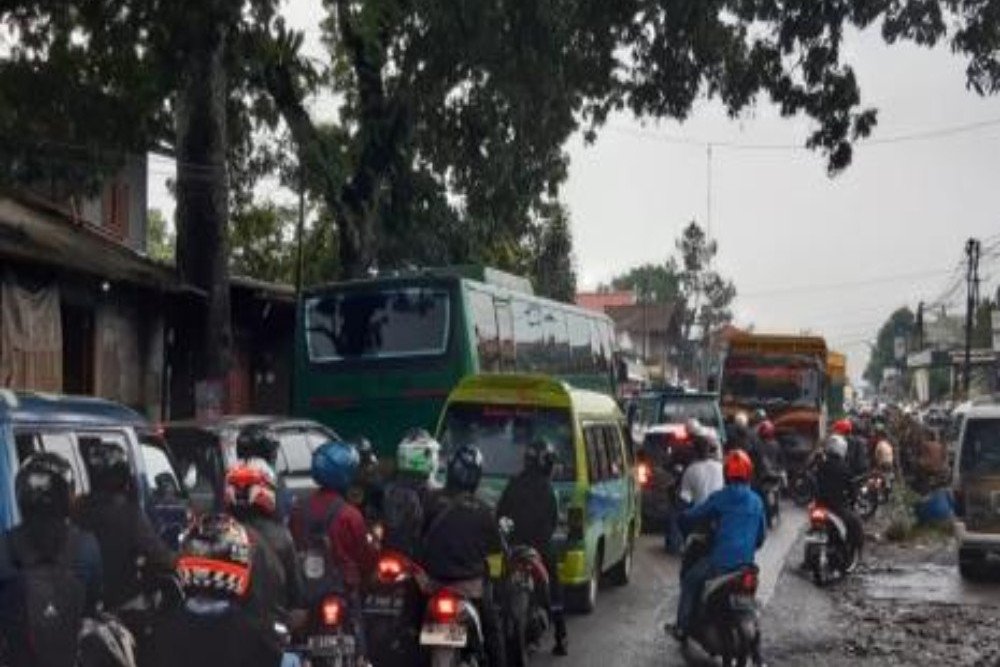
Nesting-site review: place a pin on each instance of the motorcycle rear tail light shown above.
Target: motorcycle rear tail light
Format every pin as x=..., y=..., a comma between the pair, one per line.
x=444, y=607
x=332, y=609
x=390, y=569
x=817, y=516
x=748, y=582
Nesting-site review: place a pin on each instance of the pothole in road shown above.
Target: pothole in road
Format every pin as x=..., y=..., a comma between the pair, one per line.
x=925, y=583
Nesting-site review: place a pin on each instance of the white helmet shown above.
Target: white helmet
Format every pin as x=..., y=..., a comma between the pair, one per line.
x=837, y=446
x=742, y=420
x=419, y=455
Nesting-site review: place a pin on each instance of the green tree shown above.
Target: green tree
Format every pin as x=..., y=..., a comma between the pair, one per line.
x=159, y=238
x=901, y=323
x=657, y=282
x=553, y=271
x=707, y=296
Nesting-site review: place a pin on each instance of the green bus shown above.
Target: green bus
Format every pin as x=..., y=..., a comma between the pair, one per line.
x=377, y=357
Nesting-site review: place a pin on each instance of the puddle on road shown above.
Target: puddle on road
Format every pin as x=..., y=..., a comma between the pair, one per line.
x=927, y=583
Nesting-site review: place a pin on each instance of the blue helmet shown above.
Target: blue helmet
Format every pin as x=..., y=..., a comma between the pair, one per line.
x=334, y=465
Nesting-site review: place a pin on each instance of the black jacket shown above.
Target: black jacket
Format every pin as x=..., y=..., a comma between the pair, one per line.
x=278, y=538
x=530, y=501
x=833, y=484
x=124, y=534
x=459, y=535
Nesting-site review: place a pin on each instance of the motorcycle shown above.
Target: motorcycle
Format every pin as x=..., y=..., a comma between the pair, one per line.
x=770, y=493
x=802, y=485
x=330, y=635
x=394, y=606
x=524, y=583
x=452, y=633
x=726, y=622
x=866, y=496
x=827, y=555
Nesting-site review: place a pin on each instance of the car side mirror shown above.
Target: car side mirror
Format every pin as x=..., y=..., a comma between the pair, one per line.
x=506, y=525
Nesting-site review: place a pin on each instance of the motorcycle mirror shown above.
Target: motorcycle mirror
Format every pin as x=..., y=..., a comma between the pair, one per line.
x=506, y=525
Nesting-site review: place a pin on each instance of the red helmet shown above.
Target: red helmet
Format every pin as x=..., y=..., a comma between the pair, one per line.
x=843, y=427
x=766, y=429
x=252, y=484
x=738, y=467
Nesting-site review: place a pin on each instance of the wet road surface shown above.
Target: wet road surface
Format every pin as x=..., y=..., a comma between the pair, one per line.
x=627, y=627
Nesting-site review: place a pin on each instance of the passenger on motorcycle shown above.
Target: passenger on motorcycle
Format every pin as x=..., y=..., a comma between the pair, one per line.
x=112, y=514
x=857, y=448
x=883, y=452
x=459, y=535
x=340, y=525
x=740, y=527
x=771, y=456
x=231, y=582
x=45, y=555
x=530, y=501
x=257, y=442
x=704, y=476
x=418, y=459
x=251, y=497
x=835, y=490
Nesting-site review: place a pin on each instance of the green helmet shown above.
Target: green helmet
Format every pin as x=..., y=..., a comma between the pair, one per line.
x=418, y=454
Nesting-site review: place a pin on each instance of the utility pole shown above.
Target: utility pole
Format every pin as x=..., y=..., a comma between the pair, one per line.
x=972, y=247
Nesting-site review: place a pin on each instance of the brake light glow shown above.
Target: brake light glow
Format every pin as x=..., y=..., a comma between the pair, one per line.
x=444, y=607
x=817, y=515
x=332, y=610
x=390, y=569
x=643, y=474
x=748, y=582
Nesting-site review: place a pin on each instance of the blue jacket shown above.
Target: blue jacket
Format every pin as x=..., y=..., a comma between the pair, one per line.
x=740, y=525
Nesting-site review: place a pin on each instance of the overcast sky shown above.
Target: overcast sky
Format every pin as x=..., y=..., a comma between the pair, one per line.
x=892, y=227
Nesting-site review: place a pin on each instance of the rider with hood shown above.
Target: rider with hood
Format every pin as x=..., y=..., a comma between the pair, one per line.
x=738, y=514
x=835, y=490
x=418, y=459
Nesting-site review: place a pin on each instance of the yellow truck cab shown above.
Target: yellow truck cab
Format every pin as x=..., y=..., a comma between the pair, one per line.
x=594, y=476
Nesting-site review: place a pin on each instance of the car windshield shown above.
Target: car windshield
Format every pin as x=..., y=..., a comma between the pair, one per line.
x=981, y=446
x=375, y=324
x=679, y=412
x=502, y=432
x=160, y=474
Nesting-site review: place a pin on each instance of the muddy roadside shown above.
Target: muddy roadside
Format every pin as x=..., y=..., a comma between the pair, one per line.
x=905, y=605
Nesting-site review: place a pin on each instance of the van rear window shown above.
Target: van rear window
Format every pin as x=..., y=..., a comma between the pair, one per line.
x=501, y=432
x=981, y=446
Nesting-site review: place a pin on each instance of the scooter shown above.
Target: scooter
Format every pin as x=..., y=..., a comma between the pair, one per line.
x=394, y=607
x=524, y=584
x=770, y=492
x=727, y=622
x=827, y=555
x=452, y=632
x=330, y=639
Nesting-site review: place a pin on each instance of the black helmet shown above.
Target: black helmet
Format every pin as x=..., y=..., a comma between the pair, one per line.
x=366, y=453
x=465, y=468
x=44, y=486
x=256, y=442
x=540, y=455
x=108, y=466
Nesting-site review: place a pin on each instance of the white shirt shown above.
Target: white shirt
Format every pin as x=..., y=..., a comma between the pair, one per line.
x=700, y=480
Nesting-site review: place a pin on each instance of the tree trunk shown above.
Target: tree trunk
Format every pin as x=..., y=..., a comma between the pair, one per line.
x=202, y=199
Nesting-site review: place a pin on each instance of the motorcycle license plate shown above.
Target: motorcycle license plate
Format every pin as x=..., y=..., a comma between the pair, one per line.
x=383, y=605
x=436, y=634
x=816, y=538
x=743, y=602
x=331, y=646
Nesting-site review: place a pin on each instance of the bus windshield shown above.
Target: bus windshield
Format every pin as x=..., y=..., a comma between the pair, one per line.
x=377, y=323
x=501, y=432
x=772, y=384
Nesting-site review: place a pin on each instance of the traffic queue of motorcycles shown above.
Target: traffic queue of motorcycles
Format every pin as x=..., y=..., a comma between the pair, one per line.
x=219, y=605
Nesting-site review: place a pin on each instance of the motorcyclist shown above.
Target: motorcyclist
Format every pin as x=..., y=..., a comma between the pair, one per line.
x=530, y=500
x=883, y=454
x=704, y=476
x=367, y=491
x=769, y=449
x=857, y=448
x=131, y=550
x=231, y=581
x=739, y=432
x=45, y=538
x=418, y=459
x=251, y=497
x=835, y=490
x=738, y=514
x=257, y=442
x=334, y=469
x=459, y=535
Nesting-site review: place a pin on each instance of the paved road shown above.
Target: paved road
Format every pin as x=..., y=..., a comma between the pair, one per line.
x=627, y=627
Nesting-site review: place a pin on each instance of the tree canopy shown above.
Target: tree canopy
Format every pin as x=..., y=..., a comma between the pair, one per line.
x=901, y=322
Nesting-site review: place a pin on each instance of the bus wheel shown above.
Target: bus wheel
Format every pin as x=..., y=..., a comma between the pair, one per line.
x=583, y=599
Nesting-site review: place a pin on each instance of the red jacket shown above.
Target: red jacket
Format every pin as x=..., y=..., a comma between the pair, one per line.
x=352, y=551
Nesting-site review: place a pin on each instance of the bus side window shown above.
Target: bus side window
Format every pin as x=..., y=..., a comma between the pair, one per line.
x=557, y=359
x=596, y=456
x=579, y=344
x=484, y=322
x=528, y=335
x=505, y=328
x=613, y=446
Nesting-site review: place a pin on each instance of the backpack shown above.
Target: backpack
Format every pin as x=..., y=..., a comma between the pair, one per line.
x=54, y=600
x=321, y=573
x=403, y=511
